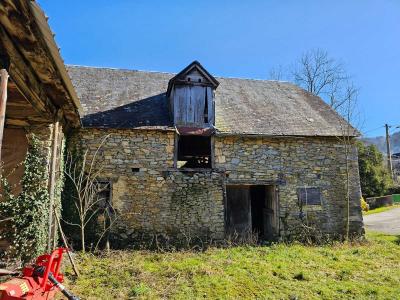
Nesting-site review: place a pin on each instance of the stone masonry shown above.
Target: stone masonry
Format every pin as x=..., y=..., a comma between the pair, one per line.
x=154, y=198
x=293, y=163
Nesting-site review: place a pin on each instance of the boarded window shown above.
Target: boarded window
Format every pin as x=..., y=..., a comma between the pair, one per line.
x=193, y=105
x=309, y=195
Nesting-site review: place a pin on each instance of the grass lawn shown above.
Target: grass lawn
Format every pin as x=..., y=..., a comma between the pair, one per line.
x=370, y=270
x=380, y=209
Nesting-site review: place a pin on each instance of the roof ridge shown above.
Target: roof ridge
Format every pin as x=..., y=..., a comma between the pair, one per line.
x=118, y=69
x=257, y=79
x=171, y=73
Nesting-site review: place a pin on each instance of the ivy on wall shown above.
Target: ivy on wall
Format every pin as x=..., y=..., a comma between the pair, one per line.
x=29, y=210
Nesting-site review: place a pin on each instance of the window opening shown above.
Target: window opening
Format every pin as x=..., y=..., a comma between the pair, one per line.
x=194, y=151
x=309, y=195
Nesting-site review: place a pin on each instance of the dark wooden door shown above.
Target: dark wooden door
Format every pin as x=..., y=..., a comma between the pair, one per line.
x=238, y=209
x=270, y=213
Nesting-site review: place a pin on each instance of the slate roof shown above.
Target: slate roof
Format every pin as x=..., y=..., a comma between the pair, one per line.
x=114, y=98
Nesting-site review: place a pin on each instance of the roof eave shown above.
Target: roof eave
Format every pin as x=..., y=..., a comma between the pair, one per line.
x=53, y=51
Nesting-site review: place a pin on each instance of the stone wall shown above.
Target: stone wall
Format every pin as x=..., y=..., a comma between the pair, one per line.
x=154, y=198
x=293, y=163
x=150, y=196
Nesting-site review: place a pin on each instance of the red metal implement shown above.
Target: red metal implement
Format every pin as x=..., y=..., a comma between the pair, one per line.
x=40, y=281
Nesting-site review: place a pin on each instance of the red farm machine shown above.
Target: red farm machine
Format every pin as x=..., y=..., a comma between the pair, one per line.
x=40, y=281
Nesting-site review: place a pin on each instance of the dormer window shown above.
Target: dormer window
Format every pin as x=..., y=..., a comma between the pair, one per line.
x=191, y=96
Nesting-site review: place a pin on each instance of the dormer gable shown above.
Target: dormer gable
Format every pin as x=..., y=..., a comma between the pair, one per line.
x=191, y=97
x=192, y=74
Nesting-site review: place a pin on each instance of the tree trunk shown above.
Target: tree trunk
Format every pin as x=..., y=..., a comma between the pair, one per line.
x=83, y=237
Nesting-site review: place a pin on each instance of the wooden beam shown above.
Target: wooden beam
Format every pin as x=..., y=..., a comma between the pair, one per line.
x=52, y=182
x=17, y=123
x=3, y=103
x=26, y=25
x=25, y=79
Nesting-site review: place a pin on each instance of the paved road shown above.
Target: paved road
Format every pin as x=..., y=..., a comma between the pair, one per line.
x=387, y=221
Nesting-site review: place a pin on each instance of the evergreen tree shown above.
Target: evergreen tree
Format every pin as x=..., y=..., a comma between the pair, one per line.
x=374, y=177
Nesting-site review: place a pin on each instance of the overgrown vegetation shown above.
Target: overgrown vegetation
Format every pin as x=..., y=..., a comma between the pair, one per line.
x=83, y=201
x=367, y=270
x=374, y=178
x=28, y=211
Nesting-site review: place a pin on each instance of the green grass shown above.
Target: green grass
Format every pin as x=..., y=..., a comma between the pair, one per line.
x=380, y=209
x=368, y=270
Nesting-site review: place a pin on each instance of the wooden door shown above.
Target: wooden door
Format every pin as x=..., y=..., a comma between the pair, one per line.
x=270, y=213
x=238, y=209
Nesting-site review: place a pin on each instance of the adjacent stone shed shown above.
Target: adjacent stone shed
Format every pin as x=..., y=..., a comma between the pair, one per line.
x=190, y=154
x=37, y=99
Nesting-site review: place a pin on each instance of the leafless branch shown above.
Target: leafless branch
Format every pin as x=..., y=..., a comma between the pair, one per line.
x=83, y=175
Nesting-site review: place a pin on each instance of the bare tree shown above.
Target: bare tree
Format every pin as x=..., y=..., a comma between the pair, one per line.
x=277, y=73
x=87, y=198
x=349, y=114
x=318, y=73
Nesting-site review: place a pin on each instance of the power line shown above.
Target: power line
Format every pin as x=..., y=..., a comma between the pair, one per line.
x=373, y=129
x=390, y=126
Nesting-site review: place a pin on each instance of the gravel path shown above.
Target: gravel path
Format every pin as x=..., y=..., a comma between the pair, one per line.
x=387, y=222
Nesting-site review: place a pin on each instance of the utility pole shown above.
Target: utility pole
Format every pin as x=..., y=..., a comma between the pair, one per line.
x=389, y=155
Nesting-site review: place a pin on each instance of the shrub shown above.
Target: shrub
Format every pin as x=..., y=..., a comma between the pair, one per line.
x=364, y=205
x=374, y=178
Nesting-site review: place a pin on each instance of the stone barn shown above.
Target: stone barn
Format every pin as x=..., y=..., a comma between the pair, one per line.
x=192, y=154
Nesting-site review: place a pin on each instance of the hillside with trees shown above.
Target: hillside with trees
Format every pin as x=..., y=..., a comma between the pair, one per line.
x=380, y=142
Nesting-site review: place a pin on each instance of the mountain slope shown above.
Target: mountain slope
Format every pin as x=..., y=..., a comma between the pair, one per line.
x=380, y=142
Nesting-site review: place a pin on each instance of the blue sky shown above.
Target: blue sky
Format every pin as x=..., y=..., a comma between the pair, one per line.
x=240, y=39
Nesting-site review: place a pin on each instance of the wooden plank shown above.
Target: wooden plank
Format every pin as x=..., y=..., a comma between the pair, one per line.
x=25, y=79
x=211, y=106
x=26, y=27
x=17, y=122
x=52, y=182
x=23, y=28
x=188, y=109
x=178, y=100
x=3, y=103
x=171, y=105
x=239, y=209
x=189, y=104
x=198, y=97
